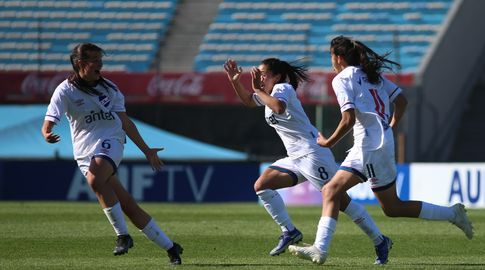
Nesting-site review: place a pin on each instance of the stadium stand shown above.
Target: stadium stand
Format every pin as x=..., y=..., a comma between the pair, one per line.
x=250, y=30
x=36, y=35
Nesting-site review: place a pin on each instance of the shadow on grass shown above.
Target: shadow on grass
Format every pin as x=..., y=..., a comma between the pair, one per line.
x=241, y=265
x=292, y=265
x=481, y=265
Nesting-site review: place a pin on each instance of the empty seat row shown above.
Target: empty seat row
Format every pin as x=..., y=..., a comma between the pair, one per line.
x=281, y=5
x=257, y=28
x=237, y=27
x=132, y=5
x=47, y=4
x=398, y=5
x=44, y=36
x=53, y=67
x=227, y=37
x=80, y=25
x=44, y=32
x=70, y=15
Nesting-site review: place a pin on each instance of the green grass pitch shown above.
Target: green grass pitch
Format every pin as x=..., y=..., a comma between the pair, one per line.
x=73, y=235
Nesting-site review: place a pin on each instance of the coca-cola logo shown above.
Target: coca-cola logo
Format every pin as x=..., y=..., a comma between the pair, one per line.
x=189, y=84
x=41, y=84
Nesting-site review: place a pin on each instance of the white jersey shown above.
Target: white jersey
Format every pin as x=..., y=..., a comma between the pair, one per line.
x=371, y=103
x=293, y=126
x=91, y=118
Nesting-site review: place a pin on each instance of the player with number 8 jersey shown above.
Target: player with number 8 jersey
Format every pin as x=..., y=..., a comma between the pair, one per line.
x=274, y=86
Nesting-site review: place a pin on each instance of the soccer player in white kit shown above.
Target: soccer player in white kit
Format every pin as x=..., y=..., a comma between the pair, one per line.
x=274, y=84
x=364, y=97
x=96, y=112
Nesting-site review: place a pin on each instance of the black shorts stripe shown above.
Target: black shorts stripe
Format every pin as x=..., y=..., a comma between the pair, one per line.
x=384, y=187
x=370, y=170
x=354, y=171
x=283, y=170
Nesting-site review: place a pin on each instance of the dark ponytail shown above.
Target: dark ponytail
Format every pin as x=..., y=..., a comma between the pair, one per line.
x=292, y=73
x=355, y=53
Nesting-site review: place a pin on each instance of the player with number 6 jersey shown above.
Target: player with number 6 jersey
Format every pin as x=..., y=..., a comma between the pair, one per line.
x=95, y=109
x=274, y=85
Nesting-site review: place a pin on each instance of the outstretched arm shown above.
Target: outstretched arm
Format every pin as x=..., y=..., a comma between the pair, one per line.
x=49, y=136
x=132, y=131
x=400, y=104
x=345, y=125
x=234, y=75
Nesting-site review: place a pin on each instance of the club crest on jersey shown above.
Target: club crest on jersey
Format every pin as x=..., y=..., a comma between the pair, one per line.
x=104, y=100
x=95, y=116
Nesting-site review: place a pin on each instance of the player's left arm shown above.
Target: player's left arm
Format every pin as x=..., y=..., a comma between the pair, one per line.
x=277, y=105
x=400, y=103
x=132, y=131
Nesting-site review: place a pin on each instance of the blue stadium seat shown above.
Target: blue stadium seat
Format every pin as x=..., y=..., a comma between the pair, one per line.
x=40, y=34
x=244, y=29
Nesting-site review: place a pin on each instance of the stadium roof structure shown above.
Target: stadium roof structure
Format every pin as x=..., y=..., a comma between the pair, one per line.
x=21, y=138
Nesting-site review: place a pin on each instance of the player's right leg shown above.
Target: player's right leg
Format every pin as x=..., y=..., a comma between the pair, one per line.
x=359, y=215
x=98, y=177
x=331, y=196
x=145, y=223
x=276, y=177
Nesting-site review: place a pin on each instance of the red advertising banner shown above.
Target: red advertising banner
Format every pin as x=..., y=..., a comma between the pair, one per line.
x=184, y=88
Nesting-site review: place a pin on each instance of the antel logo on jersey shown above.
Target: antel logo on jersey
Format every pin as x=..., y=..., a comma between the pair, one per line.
x=95, y=116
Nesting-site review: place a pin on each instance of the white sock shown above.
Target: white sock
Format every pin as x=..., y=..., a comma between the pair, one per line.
x=436, y=212
x=273, y=203
x=361, y=218
x=154, y=233
x=116, y=218
x=325, y=230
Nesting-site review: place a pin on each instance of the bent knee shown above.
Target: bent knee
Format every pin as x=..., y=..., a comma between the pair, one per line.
x=259, y=186
x=330, y=191
x=93, y=183
x=392, y=212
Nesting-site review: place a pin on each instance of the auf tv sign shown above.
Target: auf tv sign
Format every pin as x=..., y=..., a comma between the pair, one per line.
x=466, y=186
x=448, y=183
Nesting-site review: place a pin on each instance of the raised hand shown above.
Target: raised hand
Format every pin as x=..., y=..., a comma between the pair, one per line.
x=232, y=70
x=256, y=79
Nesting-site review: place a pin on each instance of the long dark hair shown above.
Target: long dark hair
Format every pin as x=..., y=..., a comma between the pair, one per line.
x=295, y=74
x=355, y=53
x=80, y=52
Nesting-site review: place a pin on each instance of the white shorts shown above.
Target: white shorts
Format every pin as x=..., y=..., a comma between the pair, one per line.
x=377, y=166
x=109, y=149
x=317, y=167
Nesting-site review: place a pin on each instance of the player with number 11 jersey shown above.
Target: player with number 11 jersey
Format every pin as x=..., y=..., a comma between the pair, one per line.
x=353, y=90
